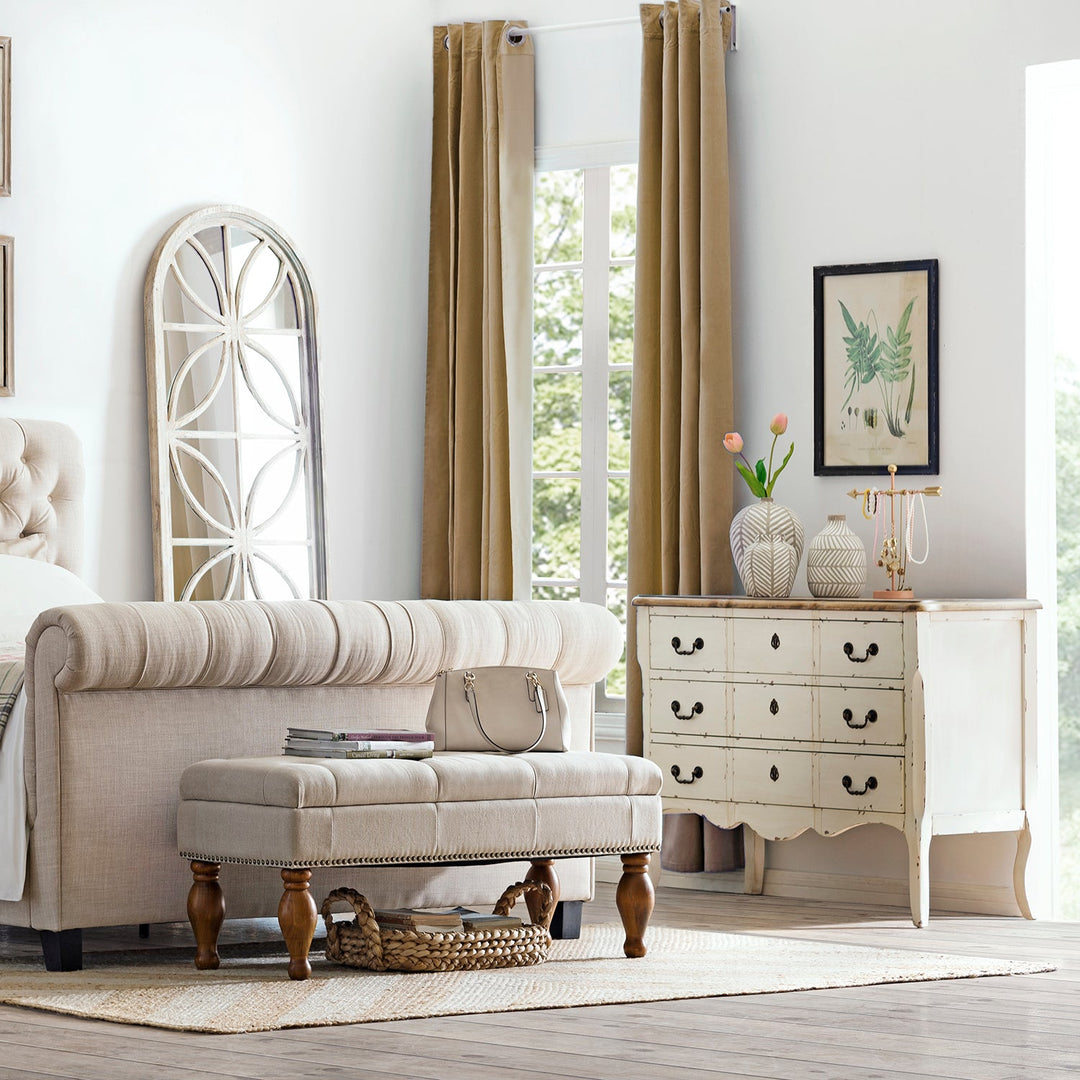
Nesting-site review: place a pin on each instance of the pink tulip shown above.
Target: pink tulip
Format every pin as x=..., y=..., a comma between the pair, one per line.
x=779, y=424
x=733, y=443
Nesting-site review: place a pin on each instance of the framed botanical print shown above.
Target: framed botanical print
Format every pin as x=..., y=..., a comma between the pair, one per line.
x=876, y=368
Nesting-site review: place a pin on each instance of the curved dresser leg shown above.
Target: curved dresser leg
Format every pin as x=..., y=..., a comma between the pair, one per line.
x=634, y=897
x=1023, y=849
x=754, y=857
x=919, y=874
x=206, y=912
x=297, y=918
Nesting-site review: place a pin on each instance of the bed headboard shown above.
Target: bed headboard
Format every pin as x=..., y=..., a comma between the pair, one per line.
x=41, y=487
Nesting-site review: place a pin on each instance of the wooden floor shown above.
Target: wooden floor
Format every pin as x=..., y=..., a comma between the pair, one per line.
x=980, y=1029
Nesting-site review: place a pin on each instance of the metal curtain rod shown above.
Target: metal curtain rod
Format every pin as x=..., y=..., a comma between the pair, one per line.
x=556, y=27
x=515, y=33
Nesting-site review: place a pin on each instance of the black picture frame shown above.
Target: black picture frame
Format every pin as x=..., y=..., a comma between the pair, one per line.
x=876, y=368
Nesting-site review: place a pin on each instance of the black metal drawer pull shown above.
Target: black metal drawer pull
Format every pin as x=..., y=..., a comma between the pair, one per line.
x=695, y=710
x=774, y=706
x=774, y=773
x=775, y=643
x=697, y=774
x=871, y=785
x=871, y=717
x=676, y=644
x=871, y=650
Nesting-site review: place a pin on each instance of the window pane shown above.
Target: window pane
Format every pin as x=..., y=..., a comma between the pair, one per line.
x=557, y=422
x=621, y=315
x=557, y=529
x=557, y=227
x=618, y=527
x=616, y=680
x=557, y=312
x=619, y=420
x=623, y=211
x=556, y=592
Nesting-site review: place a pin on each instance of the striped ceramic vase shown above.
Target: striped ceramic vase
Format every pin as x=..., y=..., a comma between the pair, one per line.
x=835, y=561
x=766, y=546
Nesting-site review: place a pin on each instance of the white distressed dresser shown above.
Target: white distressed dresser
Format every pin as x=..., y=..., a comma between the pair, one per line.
x=788, y=715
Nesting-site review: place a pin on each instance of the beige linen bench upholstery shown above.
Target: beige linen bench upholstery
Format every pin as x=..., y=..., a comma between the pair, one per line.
x=453, y=808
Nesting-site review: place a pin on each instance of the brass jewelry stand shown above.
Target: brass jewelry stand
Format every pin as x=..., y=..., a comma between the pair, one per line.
x=894, y=555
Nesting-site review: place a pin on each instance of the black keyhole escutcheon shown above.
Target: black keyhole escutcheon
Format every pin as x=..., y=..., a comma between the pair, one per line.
x=774, y=773
x=774, y=706
x=775, y=642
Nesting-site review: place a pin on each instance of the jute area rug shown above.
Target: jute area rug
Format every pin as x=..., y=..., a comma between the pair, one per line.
x=251, y=992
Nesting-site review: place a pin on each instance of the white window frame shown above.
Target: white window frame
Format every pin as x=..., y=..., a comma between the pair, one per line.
x=595, y=266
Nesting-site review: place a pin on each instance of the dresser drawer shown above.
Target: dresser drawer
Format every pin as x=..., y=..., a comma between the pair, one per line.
x=861, y=782
x=773, y=778
x=772, y=646
x=687, y=642
x=691, y=772
x=848, y=714
x=862, y=649
x=773, y=711
x=685, y=707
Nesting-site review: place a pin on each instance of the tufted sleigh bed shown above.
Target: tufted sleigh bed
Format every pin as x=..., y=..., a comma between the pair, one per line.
x=121, y=698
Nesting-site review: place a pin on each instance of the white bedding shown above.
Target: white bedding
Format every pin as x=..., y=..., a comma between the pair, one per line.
x=14, y=828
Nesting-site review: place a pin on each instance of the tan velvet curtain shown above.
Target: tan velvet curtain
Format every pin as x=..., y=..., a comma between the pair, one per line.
x=680, y=476
x=477, y=438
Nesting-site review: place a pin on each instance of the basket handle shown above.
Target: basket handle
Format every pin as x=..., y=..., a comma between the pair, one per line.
x=365, y=919
x=514, y=892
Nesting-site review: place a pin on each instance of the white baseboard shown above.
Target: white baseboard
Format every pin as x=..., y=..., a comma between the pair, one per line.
x=842, y=888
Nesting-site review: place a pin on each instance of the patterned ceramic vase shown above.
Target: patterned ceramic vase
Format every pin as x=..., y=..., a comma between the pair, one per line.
x=835, y=560
x=766, y=545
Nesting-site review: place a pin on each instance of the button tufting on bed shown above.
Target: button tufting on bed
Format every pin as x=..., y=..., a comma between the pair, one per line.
x=41, y=486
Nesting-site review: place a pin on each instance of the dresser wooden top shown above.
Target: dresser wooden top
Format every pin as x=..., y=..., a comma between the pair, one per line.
x=811, y=603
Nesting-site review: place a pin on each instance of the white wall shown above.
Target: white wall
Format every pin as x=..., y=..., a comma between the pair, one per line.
x=127, y=115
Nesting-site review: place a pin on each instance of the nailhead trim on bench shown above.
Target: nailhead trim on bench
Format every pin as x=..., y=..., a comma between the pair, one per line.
x=420, y=860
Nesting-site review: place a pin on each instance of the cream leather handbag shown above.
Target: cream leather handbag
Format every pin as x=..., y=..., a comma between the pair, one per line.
x=508, y=709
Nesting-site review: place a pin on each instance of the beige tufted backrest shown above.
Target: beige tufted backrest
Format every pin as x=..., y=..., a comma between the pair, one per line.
x=41, y=487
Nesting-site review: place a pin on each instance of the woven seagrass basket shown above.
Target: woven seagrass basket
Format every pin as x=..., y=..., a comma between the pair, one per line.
x=363, y=943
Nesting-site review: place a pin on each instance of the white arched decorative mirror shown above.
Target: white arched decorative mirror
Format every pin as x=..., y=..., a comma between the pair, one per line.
x=233, y=396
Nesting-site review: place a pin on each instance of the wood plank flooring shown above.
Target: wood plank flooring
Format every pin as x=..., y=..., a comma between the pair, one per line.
x=973, y=1029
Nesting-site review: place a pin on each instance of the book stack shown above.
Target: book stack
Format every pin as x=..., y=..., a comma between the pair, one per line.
x=340, y=743
x=453, y=921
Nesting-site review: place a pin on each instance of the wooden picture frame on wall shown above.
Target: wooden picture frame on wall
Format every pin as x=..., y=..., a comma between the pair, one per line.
x=876, y=368
x=5, y=116
x=7, y=316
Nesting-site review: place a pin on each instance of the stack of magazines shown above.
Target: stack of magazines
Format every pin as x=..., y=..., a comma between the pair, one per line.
x=446, y=922
x=341, y=743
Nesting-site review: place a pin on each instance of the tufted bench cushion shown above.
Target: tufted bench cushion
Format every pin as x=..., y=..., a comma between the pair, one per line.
x=449, y=808
x=453, y=807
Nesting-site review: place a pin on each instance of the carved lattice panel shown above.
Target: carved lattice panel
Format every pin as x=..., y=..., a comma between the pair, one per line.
x=234, y=412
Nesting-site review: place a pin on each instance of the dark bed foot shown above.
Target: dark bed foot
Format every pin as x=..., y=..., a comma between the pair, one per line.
x=144, y=930
x=62, y=949
x=566, y=922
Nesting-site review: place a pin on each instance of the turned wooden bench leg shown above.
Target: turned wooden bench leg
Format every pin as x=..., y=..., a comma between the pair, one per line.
x=297, y=917
x=542, y=870
x=634, y=898
x=206, y=912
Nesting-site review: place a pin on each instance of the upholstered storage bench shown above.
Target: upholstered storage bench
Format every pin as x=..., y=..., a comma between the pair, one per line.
x=453, y=808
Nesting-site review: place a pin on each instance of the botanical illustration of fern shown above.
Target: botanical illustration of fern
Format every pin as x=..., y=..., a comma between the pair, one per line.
x=886, y=361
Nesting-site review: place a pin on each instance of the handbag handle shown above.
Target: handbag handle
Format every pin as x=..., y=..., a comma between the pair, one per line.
x=536, y=695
